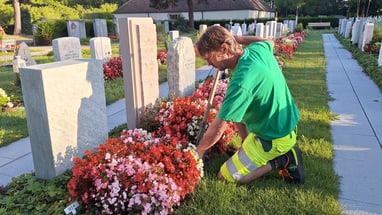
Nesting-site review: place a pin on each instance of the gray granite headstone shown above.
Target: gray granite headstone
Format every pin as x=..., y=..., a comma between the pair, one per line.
x=76, y=28
x=66, y=48
x=355, y=32
x=181, y=67
x=380, y=56
x=66, y=112
x=100, y=28
x=25, y=54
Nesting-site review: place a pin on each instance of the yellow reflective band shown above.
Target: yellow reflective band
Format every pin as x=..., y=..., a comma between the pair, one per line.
x=225, y=173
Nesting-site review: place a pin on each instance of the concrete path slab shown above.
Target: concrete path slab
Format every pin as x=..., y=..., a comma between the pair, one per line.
x=357, y=133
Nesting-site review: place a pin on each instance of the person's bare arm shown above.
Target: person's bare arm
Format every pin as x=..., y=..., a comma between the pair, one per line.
x=243, y=131
x=246, y=40
x=212, y=135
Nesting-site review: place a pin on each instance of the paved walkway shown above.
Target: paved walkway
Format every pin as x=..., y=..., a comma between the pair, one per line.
x=356, y=136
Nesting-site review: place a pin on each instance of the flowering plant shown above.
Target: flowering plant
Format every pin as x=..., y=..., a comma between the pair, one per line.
x=162, y=56
x=136, y=173
x=112, y=69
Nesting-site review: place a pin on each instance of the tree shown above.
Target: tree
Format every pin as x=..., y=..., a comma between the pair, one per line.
x=17, y=17
x=164, y=4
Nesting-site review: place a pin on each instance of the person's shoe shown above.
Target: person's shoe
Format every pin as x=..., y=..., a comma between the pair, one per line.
x=293, y=170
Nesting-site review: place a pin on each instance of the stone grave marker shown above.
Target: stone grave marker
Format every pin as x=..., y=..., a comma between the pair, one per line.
x=272, y=29
x=202, y=29
x=266, y=31
x=251, y=28
x=279, y=29
x=18, y=63
x=236, y=30
x=259, y=30
x=380, y=56
x=76, y=28
x=173, y=35
x=100, y=48
x=244, y=29
x=343, y=26
x=355, y=32
x=348, y=29
x=166, y=27
x=138, y=49
x=367, y=34
x=66, y=112
x=66, y=48
x=291, y=25
x=181, y=67
x=100, y=28
x=25, y=54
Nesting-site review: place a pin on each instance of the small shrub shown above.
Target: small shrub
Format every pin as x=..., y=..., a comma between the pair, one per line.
x=112, y=69
x=4, y=99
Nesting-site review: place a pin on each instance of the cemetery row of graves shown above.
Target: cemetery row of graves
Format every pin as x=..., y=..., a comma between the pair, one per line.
x=152, y=166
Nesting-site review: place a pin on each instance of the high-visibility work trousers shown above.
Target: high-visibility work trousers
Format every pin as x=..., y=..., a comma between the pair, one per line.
x=255, y=153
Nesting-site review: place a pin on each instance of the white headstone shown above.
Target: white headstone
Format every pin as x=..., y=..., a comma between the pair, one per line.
x=66, y=48
x=236, y=30
x=166, y=27
x=279, y=29
x=251, y=28
x=244, y=29
x=259, y=30
x=291, y=25
x=202, y=29
x=272, y=29
x=100, y=28
x=348, y=29
x=173, y=35
x=355, y=32
x=343, y=26
x=138, y=48
x=100, y=48
x=18, y=63
x=367, y=34
x=66, y=112
x=266, y=31
x=380, y=56
x=76, y=28
x=181, y=67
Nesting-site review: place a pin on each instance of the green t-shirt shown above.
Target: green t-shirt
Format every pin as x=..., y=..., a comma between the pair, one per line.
x=258, y=95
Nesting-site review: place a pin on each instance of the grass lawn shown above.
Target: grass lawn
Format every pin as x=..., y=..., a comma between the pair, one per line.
x=306, y=77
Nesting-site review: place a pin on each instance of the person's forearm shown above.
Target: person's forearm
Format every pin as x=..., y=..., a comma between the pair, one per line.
x=246, y=40
x=212, y=135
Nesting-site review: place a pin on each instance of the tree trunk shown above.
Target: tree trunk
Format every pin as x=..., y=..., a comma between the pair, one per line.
x=17, y=17
x=190, y=5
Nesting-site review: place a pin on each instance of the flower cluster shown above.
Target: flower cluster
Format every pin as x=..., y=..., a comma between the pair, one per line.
x=112, y=69
x=285, y=46
x=135, y=174
x=162, y=56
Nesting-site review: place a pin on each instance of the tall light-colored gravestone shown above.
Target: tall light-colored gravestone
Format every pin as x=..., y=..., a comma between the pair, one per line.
x=244, y=29
x=100, y=28
x=202, y=29
x=236, y=30
x=138, y=48
x=380, y=56
x=166, y=26
x=66, y=48
x=259, y=30
x=251, y=28
x=355, y=32
x=266, y=31
x=348, y=29
x=66, y=112
x=76, y=28
x=181, y=67
x=367, y=34
x=343, y=26
x=279, y=29
x=100, y=48
x=291, y=25
x=173, y=35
